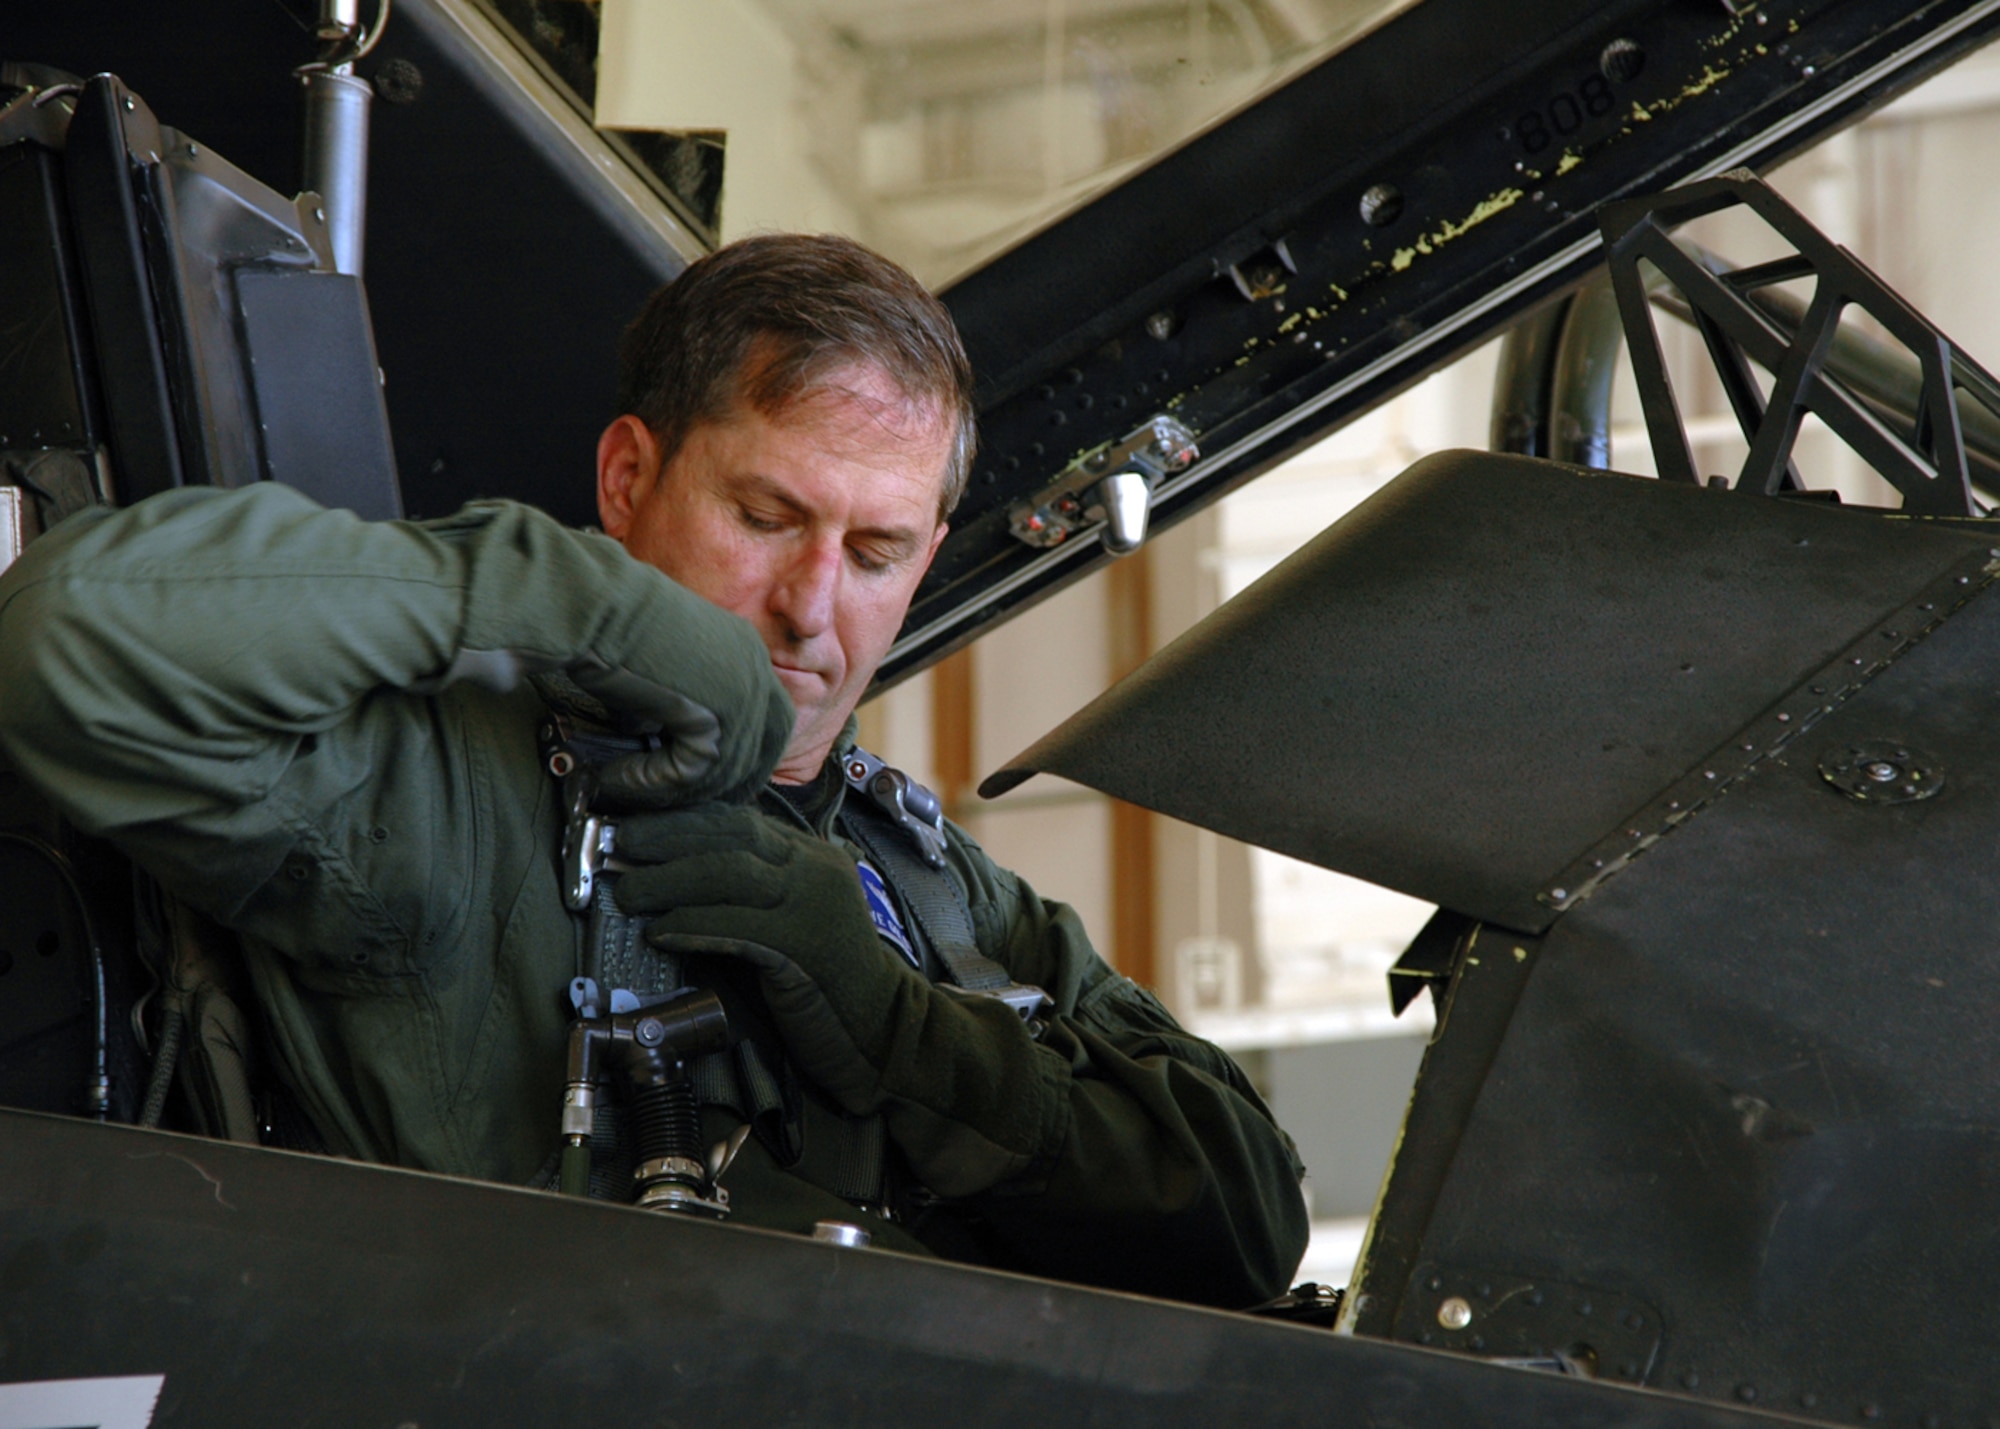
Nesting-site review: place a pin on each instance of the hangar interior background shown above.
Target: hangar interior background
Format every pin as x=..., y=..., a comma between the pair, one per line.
x=940, y=133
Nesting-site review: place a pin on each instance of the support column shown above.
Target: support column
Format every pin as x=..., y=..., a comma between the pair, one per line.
x=1134, y=853
x=953, y=733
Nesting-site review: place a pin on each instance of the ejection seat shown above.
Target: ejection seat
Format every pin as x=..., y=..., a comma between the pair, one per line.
x=190, y=328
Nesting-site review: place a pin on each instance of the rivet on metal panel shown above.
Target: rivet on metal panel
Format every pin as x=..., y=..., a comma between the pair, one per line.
x=1455, y=1313
x=1833, y=684
x=1621, y=60
x=1381, y=205
x=1882, y=772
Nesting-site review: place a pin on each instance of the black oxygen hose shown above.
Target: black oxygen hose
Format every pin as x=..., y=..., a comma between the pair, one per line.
x=97, y=1094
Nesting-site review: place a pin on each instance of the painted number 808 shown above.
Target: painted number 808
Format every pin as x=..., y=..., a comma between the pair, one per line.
x=1564, y=115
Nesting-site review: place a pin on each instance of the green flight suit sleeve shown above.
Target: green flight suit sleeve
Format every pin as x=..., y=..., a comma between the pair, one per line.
x=1170, y=1177
x=285, y=714
x=168, y=668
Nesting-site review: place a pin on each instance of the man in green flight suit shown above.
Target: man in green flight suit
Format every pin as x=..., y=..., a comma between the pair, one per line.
x=325, y=735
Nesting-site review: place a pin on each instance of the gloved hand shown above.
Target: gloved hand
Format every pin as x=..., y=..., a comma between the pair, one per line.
x=965, y=1091
x=540, y=597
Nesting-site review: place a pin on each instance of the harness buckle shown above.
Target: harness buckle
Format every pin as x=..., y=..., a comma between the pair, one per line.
x=588, y=842
x=913, y=808
x=1025, y=998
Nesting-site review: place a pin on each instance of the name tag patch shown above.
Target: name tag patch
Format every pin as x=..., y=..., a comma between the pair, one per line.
x=882, y=909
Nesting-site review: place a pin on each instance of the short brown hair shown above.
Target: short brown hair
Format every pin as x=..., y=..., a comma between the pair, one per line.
x=766, y=318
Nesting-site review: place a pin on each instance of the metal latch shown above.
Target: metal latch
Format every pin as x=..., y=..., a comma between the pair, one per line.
x=915, y=809
x=1113, y=484
x=588, y=842
x=1025, y=998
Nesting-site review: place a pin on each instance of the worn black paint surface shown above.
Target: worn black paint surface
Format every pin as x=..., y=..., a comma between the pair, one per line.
x=1438, y=103
x=1752, y=1080
x=1483, y=669
x=274, y=1288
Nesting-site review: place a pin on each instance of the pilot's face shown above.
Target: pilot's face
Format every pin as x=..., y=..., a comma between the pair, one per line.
x=814, y=524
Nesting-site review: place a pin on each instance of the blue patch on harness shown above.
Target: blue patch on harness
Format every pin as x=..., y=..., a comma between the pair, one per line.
x=882, y=909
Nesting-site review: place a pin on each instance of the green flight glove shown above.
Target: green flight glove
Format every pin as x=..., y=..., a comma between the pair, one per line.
x=542, y=599
x=966, y=1092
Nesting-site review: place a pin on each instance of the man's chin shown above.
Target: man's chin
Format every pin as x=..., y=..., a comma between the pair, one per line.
x=820, y=720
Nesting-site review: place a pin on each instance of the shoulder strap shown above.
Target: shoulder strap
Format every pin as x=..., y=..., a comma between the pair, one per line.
x=901, y=825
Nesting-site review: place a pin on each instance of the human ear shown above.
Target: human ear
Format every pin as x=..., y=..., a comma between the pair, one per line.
x=628, y=463
x=937, y=540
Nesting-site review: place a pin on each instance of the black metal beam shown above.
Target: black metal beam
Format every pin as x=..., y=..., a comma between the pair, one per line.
x=1500, y=128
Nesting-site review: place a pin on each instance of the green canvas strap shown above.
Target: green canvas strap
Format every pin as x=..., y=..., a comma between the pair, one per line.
x=900, y=825
x=881, y=815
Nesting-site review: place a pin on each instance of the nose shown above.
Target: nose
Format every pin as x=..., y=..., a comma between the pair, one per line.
x=803, y=595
